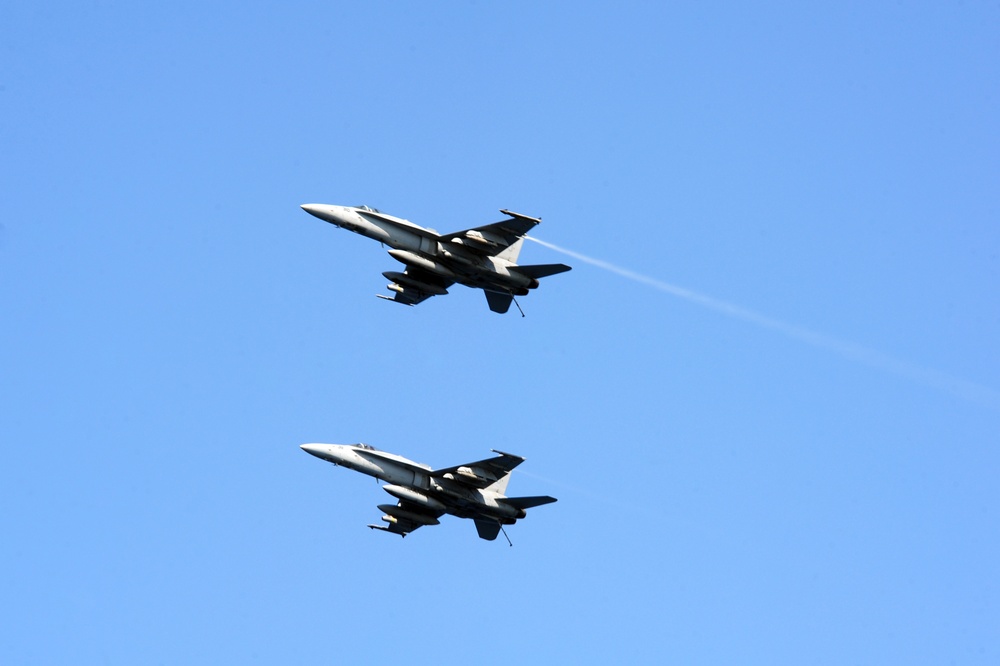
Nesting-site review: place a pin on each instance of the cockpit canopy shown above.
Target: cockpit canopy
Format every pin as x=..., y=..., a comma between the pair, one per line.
x=369, y=209
x=369, y=447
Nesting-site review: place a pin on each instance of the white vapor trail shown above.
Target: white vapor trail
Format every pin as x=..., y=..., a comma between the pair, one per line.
x=603, y=498
x=960, y=387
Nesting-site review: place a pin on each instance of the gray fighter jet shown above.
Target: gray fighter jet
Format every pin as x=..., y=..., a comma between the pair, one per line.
x=474, y=490
x=482, y=258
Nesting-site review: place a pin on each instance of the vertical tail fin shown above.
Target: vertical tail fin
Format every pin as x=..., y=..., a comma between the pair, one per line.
x=498, y=302
x=500, y=485
x=488, y=529
x=512, y=251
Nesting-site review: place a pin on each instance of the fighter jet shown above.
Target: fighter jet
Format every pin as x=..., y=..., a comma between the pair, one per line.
x=474, y=490
x=482, y=258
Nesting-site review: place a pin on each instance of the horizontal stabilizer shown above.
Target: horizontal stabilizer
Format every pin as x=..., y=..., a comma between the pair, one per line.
x=528, y=502
x=541, y=270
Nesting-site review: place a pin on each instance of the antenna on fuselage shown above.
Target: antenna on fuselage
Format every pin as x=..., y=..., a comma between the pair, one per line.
x=522, y=314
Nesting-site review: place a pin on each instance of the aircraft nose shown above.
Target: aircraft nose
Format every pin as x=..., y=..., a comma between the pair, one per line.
x=313, y=449
x=313, y=209
x=325, y=212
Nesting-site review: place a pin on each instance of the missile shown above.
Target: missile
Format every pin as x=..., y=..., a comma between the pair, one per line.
x=392, y=300
x=536, y=220
x=414, y=497
x=399, y=512
x=423, y=263
x=408, y=281
x=386, y=529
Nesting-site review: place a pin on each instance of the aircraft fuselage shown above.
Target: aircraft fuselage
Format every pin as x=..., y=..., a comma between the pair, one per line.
x=422, y=248
x=406, y=481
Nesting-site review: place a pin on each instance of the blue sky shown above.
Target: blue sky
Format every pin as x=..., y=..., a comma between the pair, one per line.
x=175, y=326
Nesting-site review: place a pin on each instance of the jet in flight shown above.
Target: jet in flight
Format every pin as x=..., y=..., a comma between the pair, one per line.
x=474, y=490
x=482, y=258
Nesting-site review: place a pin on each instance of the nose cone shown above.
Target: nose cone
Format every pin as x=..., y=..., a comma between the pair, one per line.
x=317, y=450
x=332, y=214
x=315, y=209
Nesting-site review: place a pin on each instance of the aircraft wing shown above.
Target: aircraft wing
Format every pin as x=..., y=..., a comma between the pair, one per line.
x=399, y=222
x=482, y=473
x=405, y=517
x=414, y=286
x=493, y=239
x=372, y=453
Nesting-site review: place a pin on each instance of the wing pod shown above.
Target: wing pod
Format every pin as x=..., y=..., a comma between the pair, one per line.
x=478, y=476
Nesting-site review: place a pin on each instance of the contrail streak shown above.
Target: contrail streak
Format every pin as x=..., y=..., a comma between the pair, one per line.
x=604, y=499
x=926, y=376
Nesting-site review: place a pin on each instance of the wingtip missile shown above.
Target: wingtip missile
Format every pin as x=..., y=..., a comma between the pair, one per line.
x=520, y=216
x=382, y=528
x=504, y=453
x=393, y=300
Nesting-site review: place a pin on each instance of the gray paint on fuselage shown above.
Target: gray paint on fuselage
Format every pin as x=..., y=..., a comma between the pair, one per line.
x=451, y=258
x=451, y=490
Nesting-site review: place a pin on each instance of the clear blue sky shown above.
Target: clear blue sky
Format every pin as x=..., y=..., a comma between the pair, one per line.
x=174, y=326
